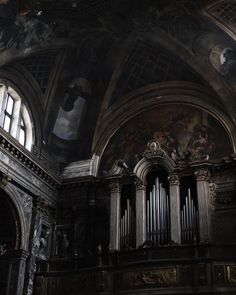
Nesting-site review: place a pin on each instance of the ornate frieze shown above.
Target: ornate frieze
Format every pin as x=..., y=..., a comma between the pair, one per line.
x=147, y=278
x=25, y=160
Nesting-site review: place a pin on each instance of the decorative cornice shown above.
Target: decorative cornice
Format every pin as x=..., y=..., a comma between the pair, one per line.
x=27, y=161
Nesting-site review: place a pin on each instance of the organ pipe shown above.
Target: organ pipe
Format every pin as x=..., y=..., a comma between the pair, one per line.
x=189, y=220
x=126, y=226
x=158, y=215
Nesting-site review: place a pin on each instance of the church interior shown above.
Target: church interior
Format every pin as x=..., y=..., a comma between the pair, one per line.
x=117, y=147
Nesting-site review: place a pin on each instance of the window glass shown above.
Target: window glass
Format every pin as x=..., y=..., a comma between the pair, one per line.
x=7, y=123
x=22, y=133
x=15, y=118
x=10, y=104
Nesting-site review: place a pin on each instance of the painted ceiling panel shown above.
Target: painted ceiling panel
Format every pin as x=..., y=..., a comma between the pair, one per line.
x=181, y=130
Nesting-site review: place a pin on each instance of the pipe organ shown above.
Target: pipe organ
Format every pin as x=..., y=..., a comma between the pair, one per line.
x=189, y=220
x=127, y=228
x=158, y=214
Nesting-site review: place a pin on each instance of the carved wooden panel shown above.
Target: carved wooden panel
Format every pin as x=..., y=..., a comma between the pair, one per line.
x=225, y=274
x=231, y=274
x=156, y=277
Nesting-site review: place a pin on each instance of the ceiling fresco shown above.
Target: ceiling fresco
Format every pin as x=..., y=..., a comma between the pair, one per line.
x=118, y=46
x=181, y=131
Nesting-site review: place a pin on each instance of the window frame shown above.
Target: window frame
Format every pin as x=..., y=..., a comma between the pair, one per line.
x=19, y=113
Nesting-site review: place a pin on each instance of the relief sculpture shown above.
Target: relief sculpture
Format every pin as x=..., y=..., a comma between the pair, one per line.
x=154, y=277
x=231, y=274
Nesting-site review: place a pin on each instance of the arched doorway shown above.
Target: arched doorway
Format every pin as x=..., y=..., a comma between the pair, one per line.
x=9, y=229
x=9, y=241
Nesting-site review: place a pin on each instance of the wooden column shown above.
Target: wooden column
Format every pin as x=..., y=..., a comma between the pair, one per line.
x=115, y=216
x=141, y=230
x=203, y=177
x=175, y=222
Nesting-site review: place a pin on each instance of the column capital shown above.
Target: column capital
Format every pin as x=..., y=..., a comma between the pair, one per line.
x=115, y=187
x=140, y=186
x=202, y=174
x=39, y=204
x=174, y=179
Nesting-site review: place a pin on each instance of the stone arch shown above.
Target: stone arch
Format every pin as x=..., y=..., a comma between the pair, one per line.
x=18, y=213
x=158, y=95
x=153, y=157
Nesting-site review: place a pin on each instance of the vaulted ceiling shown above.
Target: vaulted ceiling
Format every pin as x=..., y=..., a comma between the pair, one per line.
x=118, y=46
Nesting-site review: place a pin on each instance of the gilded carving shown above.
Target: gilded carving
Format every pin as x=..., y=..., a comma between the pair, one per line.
x=157, y=277
x=27, y=162
x=154, y=149
x=231, y=273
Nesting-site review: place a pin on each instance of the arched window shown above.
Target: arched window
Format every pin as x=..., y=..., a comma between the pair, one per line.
x=14, y=117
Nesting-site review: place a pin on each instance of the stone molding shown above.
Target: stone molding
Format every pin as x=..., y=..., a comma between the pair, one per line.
x=27, y=161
